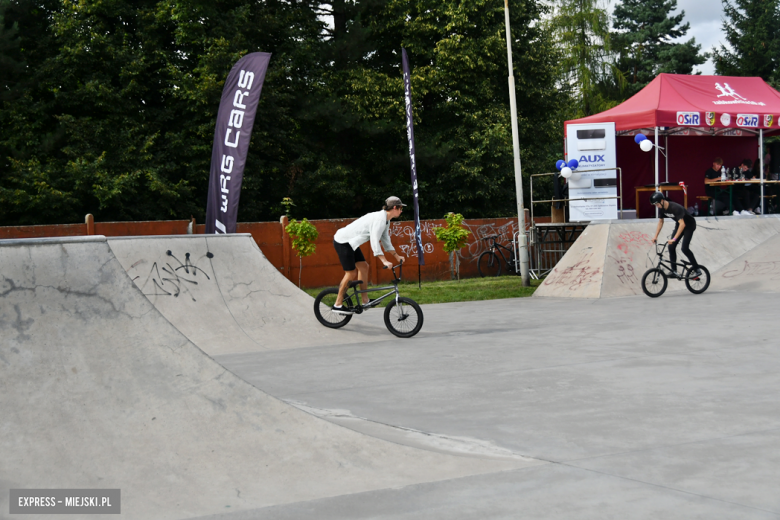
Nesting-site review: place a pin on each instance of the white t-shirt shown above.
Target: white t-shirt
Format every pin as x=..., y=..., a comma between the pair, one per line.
x=373, y=226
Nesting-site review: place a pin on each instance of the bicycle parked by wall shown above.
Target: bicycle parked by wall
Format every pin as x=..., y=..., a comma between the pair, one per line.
x=403, y=317
x=489, y=262
x=655, y=280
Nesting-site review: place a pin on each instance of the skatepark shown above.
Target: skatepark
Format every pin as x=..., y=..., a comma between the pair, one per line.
x=189, y=373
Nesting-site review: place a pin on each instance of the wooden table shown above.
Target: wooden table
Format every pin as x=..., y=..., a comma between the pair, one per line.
x=731, y=184
x=671, y=187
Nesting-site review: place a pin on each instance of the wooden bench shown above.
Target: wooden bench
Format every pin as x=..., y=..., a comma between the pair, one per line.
x=704, y=205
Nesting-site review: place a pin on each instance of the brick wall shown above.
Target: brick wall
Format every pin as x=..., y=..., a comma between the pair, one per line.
x=322, y=268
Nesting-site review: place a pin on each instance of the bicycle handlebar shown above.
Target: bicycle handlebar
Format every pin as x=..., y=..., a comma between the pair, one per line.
x=400, y=271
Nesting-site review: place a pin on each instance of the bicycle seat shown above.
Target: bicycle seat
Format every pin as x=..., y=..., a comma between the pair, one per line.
x=354, y=283
x=489, y=237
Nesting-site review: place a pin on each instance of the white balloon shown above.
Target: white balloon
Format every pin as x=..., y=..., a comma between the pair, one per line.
x=566, y=172
x=646, y=145
x=575, y=176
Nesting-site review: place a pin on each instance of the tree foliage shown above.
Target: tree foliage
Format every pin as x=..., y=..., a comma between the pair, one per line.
x=109, y=106
x=645, y=38
x=752, y=30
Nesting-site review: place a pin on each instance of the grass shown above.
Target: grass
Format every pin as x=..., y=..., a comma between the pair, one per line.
x=465, y=290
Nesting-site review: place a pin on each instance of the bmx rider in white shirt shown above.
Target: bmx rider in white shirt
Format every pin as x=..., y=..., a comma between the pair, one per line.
x=373, y=227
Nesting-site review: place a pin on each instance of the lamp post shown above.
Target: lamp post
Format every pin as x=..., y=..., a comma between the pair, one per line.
x=522, y=245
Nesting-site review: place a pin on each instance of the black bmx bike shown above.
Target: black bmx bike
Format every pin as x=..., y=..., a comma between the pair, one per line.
x=489, y=262
x=655, y=280
x=403, y=317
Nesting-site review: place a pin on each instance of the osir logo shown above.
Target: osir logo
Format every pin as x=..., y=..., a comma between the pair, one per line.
x=750, y=120
x=710, y=118
x=768, y=120
x=688, y=118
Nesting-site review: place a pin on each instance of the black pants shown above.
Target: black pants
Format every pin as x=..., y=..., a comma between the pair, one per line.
x=687, y=234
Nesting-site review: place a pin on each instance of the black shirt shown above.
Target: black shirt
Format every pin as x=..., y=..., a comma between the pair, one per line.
x=712, y=174
x=677, y=212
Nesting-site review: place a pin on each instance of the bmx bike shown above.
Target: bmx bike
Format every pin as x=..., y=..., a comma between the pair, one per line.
x=654, y=282
x=489, y=263
x=403, y=317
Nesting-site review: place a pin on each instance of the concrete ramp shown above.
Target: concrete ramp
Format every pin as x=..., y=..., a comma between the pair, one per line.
x=99, y=390
x=215, y=287
x=610, y=258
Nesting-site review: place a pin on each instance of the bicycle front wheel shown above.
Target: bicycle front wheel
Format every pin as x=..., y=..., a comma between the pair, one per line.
x=699, y=284
x=488, y=264
x=403, y=318
x=323, y=309
x=654, y=283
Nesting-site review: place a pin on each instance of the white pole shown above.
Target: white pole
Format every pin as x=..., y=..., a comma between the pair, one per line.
x=761, y=159
x=666, y=156
x=657, y=188
x=521, y=237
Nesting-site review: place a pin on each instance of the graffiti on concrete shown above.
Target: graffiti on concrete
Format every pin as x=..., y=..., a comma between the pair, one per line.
x=633, y=242
x=625, y=270
x=770, y=269
x=171, y=277
x=576, y=275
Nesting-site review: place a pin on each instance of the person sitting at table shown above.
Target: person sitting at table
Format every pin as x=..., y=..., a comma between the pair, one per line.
x=750, y=193
x=718, y=193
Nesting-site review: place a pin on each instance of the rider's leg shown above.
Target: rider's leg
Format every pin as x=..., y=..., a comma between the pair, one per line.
x=348, y=277
x=673, y=250
x=362, y=269
x=686, y=242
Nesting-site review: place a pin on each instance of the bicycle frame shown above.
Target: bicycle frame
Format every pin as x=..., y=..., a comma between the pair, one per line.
x=495, y=247
x=667, y=262
x=393, y=289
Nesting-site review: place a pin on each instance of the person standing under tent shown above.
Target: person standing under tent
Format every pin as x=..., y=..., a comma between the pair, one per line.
x=684, y=227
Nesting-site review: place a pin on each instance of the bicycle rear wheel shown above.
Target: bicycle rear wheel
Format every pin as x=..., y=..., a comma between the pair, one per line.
x=404, y=318
x=654, y=283
x=488, y=264
x=323, y=309
x=699, y=284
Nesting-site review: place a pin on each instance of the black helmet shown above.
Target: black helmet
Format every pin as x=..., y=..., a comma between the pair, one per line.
x=656, y=197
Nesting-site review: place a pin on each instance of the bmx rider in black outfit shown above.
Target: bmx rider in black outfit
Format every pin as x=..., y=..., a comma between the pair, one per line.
x=684, y=226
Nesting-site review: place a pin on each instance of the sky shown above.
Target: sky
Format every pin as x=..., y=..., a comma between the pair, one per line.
x=706, y=19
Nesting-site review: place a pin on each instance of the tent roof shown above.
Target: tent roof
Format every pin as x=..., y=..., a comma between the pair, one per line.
x=703, y=102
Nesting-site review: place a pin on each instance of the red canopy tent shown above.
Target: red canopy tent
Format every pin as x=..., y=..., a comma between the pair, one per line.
x=699, y=118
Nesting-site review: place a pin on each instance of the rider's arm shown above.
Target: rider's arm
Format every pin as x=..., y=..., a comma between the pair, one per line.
x=680, y=228
x=658, y=229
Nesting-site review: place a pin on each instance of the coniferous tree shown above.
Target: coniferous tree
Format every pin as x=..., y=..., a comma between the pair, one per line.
x=645, y=38
x=587, y=68
x=752, y=30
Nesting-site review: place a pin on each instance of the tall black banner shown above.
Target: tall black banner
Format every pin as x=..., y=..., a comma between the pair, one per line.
x=235, y=119
x=410, y=135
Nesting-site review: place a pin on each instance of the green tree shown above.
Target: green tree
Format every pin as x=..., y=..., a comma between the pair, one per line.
x=752, y=29
x=645, y=38
x=116, y=107
x=587, y=69
x=457, y=52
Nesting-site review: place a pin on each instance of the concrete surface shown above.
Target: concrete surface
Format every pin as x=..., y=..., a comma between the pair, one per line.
x=645, y=408
x=99, y=390
x=227, y=289
x=610, y=257
x=561, y=408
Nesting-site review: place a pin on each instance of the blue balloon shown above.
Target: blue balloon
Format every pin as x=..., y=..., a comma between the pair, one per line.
x=573, y=164
x=560, y=164
x=638, y=138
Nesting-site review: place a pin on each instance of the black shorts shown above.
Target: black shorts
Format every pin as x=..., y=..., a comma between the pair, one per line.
x=348, y=256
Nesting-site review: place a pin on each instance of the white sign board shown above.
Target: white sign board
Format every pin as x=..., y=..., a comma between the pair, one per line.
x=593, y=146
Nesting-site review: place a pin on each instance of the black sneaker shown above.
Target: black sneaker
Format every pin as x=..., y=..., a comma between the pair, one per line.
x=343, y=310
x=371, y=303
x=696, y=273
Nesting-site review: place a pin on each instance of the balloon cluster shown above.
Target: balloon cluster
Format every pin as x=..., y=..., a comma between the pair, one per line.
x=644, y=143
x=567, y=169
